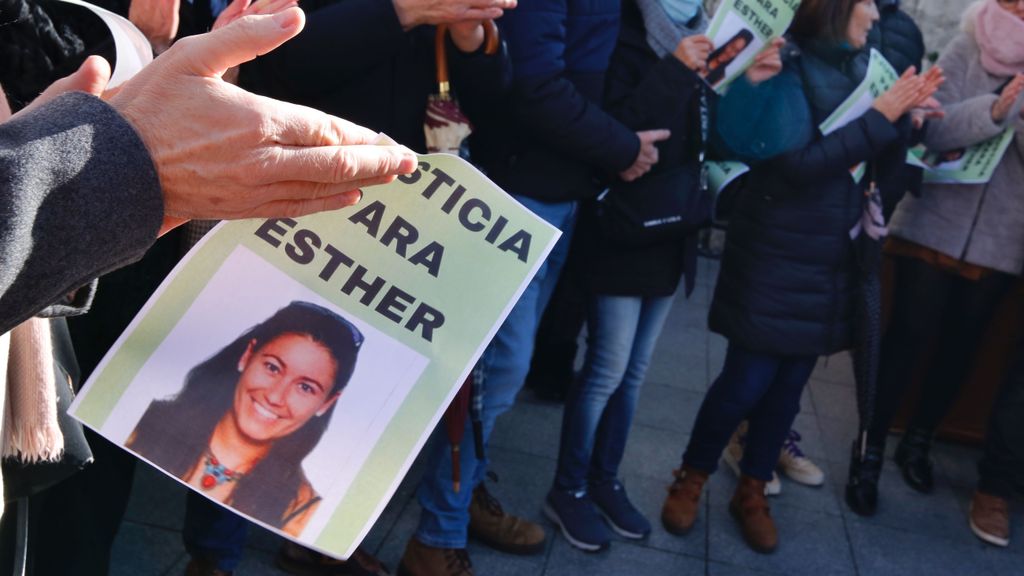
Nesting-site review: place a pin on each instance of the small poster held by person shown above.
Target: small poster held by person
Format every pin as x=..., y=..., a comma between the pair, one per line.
x=970, y=165
x=291, y=369
x=739, y=30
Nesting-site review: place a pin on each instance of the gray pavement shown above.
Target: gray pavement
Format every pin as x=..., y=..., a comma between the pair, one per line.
x=911, y=534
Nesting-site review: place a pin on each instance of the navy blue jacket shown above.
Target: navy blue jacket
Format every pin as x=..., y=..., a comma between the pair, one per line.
x=553, y=140
x=788, y=278
x=646, y=92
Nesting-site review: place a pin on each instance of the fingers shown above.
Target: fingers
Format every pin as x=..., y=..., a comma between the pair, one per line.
x=91, y=77
x=230, y=14
x=353, y=166
x=241, y=41
x=296, y=208
x=5, y=108
x=651, y=136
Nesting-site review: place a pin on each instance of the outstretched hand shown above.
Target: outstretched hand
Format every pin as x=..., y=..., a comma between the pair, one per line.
x=224, y=153
x=1001, y=109
x=412, y=13
x=910, y=91
x=157, y=20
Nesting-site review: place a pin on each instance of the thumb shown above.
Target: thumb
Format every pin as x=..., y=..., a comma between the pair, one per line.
x=91, y=77
x=241, y=41
x=654, y=135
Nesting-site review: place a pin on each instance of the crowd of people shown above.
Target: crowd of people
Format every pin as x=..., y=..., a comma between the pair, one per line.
x=575, y=106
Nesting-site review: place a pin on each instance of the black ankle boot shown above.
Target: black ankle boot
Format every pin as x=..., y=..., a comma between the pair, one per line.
x=912, y=457
x=862, y=486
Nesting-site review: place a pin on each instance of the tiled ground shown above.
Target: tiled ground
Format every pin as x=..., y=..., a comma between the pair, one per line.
x=912, y=533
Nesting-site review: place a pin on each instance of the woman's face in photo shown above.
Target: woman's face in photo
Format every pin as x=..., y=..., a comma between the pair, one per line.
x=863, y=17
x=282, y=384
x=731, y=51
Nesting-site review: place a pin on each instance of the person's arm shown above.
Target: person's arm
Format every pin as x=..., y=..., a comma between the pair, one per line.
x=968, y=120
x=548, y=102
x=81, y=198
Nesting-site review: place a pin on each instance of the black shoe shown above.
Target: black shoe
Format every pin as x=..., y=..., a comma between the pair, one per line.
x=916, y=465
x=862, y=487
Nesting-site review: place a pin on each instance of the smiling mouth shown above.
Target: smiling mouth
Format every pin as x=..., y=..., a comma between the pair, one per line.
x=264, y=411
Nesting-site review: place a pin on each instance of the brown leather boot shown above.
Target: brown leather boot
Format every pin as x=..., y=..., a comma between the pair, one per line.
x=679, y=512
x=750, y=508
x=490, y=524
x=422, y=560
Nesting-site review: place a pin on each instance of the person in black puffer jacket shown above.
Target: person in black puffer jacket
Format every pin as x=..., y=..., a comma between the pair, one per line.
x=787, y=286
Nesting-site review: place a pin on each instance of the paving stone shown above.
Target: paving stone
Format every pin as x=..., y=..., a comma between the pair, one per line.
x=531, y=426
x=811, y=543
x=653, y=452
x=939, y=514
x=686, y=369
x=621, y=558
x=885, y=551
x=833, y=402
x=648, y=495
x=723, y=569
x=667, y=408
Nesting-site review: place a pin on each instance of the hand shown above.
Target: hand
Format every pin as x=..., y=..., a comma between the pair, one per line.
x=909, y=91
x=239, y=8
x=1006, y=100
x=467, y=35
x=91, y=77
x=767, y=63
x=5, y=108
x=930, y=109
x=693, y=51
x=224, y=153
x=157, y=19
x=648, y=155
x=412, y=13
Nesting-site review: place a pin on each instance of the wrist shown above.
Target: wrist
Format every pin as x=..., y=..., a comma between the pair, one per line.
x=405, y=16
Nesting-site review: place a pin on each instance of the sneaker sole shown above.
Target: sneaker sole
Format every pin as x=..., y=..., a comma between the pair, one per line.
x=620, y=530
x=585, y=546
x=813, y=481
x=990, y=538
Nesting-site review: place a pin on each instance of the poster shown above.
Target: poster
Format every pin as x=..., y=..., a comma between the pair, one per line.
x=971, y=165
x=291, y=369
x=879, y=78
x=739, y=30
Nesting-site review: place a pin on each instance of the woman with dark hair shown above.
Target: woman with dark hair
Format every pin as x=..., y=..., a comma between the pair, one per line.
x=720, y=59
x=786, y=291
x=247, y=417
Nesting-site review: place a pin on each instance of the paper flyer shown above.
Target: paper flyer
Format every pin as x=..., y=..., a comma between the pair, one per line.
x=739, y=30
x=971, y=165
x=879, y=78
x=721, y=174
x=131, y=47
x=292, y=369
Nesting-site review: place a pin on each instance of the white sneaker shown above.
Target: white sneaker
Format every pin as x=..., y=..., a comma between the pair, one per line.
x=732, y=455
x=796, y=465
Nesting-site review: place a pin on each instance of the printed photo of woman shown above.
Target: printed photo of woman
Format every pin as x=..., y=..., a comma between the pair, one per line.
x=724, y=55
x=239, y=429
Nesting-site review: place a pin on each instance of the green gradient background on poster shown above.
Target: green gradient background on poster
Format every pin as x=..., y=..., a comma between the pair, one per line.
x=474, y=286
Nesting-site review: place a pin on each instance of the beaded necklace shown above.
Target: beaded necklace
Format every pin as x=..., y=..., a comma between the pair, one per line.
x=215, y=473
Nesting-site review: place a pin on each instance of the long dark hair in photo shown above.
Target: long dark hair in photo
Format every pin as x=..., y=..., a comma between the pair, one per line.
x=175, y=433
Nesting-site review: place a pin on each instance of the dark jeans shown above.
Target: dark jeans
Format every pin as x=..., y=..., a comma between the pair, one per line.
x=1001, y=469
x=928, y=302
x=763, y=389
x=213, y=532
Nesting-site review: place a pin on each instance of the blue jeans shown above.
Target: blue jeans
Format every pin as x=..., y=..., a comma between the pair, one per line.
x=763, y=389
x=213, y=533
x=621, y=334
x=445, y=516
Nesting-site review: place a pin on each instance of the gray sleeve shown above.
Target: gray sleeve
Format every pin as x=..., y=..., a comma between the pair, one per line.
x=968, y=121
x=79, y=196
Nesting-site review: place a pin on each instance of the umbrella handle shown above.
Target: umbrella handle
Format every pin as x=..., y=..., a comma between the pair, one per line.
x=492, y=41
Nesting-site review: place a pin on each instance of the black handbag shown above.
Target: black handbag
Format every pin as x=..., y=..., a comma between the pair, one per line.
x=665, y=204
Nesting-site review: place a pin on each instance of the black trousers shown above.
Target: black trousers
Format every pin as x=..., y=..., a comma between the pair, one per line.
x=930, y=304
x=1001, y=469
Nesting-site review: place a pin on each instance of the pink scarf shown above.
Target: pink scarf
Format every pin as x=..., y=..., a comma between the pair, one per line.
x=1000, y=35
